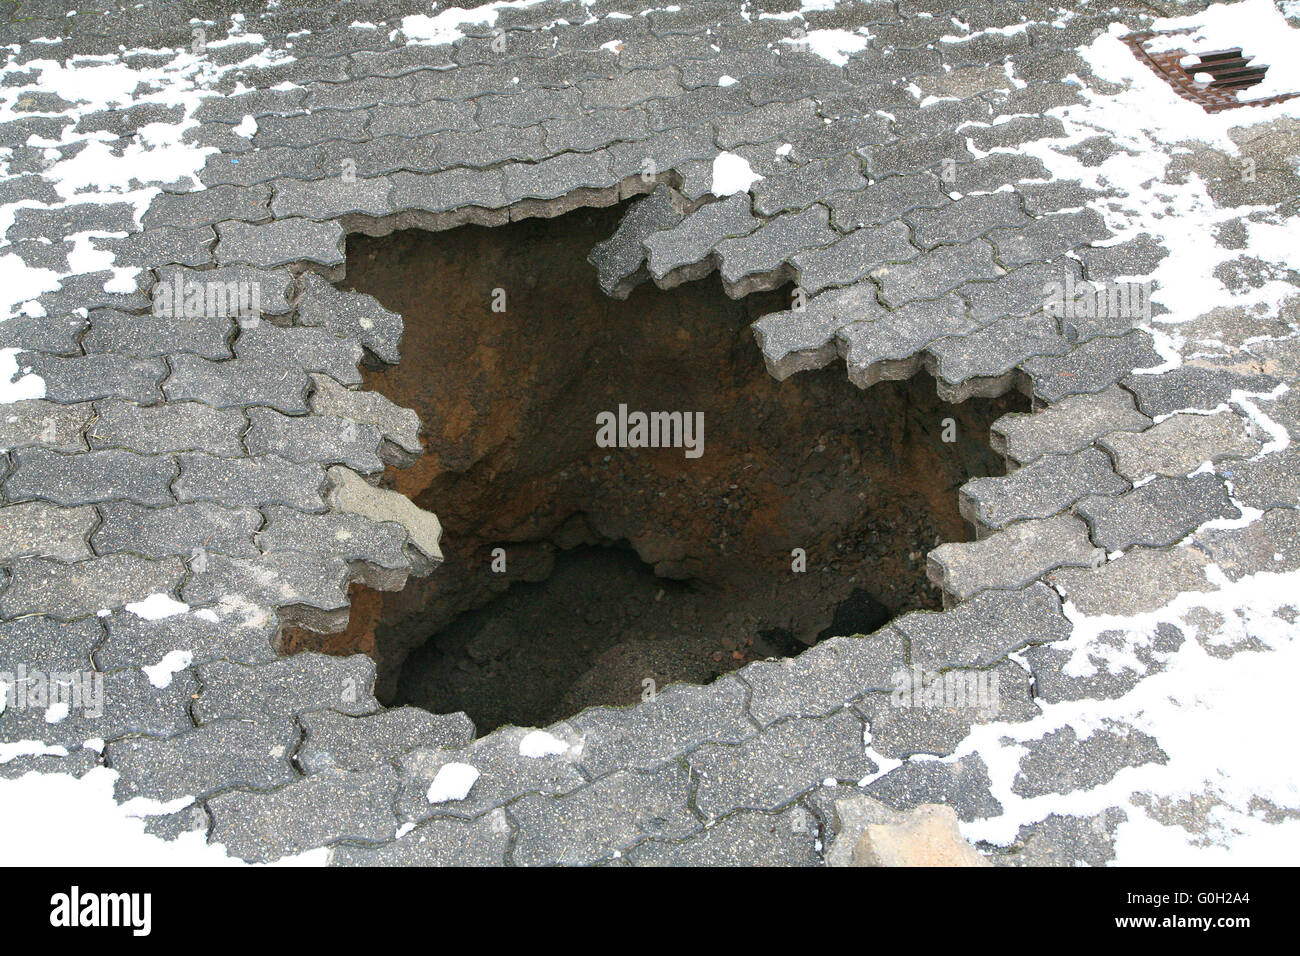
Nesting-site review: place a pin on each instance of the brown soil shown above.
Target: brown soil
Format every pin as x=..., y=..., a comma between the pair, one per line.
x=859, y=480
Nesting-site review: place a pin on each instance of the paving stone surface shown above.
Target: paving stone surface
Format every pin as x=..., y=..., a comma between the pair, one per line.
x=1066, y=426
x=1158, y=513
x=202, y=438
x=1062, y=762
x=223, y=755
x=1013, y=556
x=1179, y=445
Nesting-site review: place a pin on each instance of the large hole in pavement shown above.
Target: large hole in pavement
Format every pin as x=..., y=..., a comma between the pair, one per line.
x=625, y=566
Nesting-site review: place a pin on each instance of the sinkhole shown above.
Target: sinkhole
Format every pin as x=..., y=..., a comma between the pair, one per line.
x=578, y=574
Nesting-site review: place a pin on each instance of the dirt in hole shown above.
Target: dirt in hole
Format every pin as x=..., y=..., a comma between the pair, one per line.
x=860, y=481
x=602, y=628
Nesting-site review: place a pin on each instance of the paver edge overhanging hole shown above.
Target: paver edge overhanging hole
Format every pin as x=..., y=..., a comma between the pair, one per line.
x=1001, y=605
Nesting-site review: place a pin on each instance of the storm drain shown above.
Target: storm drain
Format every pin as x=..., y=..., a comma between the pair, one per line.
x=1211, y=79
x=592, y=556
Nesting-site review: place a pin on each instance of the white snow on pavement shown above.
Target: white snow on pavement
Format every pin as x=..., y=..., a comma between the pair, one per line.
x=539, y=743
x=1221, y=705
x=732, y=174
x=59, y=820
x=173, y=662
x=157, y=606
x=453, y=781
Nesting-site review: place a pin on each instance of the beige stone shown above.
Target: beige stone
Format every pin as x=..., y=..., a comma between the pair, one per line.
x=351, y=493
x=872, y=834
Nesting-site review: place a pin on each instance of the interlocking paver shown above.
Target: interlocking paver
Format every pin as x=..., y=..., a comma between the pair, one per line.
x=174, y=426
x=1050, y=484
x=314, y=811
x=1047, y=237
x=148, y=336
x=52, y=425
x=1160, y=512
x=504, y=771
x=279, y=243
x=1066, y=426
x=679, y=717
x=746, y=260
x=1062, y=762
x=1179, y=445
x=312, y=349
x=967, y=218
x=1271, y=543
x=181, y=530
x=620, y=259
x=1139, y=581
x=231, y=631
x=805, y=185
x=963, y=785
x=1013, y=556
x=89, y=377
x=238, y=383
x=264, y=480
x=1092, y=366
x=399, y=425
x=68, y=591
x=851, y=259
x=216, y=362
x=442, y=841
x=38, y=529
x=347, y=536
x=1193, y=387
x=366, y=743
x=887, y=344
x=225, y=754
x=981, y=631
x=936, y=272
x=76, y=479
x=786, y=760
x=331, y=198
x=745, y=838
x=350, y=314
x=885, y=200
x=692, y=240
x=286, y=687
x=610, y=816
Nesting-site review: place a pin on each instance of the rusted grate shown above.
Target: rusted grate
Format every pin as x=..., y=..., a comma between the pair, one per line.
x=1230, y=72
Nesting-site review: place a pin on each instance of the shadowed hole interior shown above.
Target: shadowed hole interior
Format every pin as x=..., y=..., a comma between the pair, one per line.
x=625, y=566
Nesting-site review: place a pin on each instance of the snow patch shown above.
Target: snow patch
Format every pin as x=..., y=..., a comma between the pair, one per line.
x=157, y=606
x=452, y=782
x=161, y=674
x=834, y=46
x=444, y=27
x=538, y=743
x=59, y=820
x=17, y=385
x=732, y=174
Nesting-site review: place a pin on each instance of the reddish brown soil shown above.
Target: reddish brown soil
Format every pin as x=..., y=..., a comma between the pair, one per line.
x=858, y=479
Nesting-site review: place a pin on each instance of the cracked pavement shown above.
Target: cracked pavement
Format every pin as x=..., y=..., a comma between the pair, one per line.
x=174, y=488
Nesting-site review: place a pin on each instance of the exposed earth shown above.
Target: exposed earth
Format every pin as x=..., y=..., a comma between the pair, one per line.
x=863, y=483
x=312, y=549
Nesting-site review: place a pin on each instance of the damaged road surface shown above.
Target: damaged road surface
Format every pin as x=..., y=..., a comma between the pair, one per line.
x=791, y=498
x=593, y=433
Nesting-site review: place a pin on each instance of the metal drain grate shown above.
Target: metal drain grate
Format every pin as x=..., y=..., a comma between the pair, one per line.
x=1229, y=71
